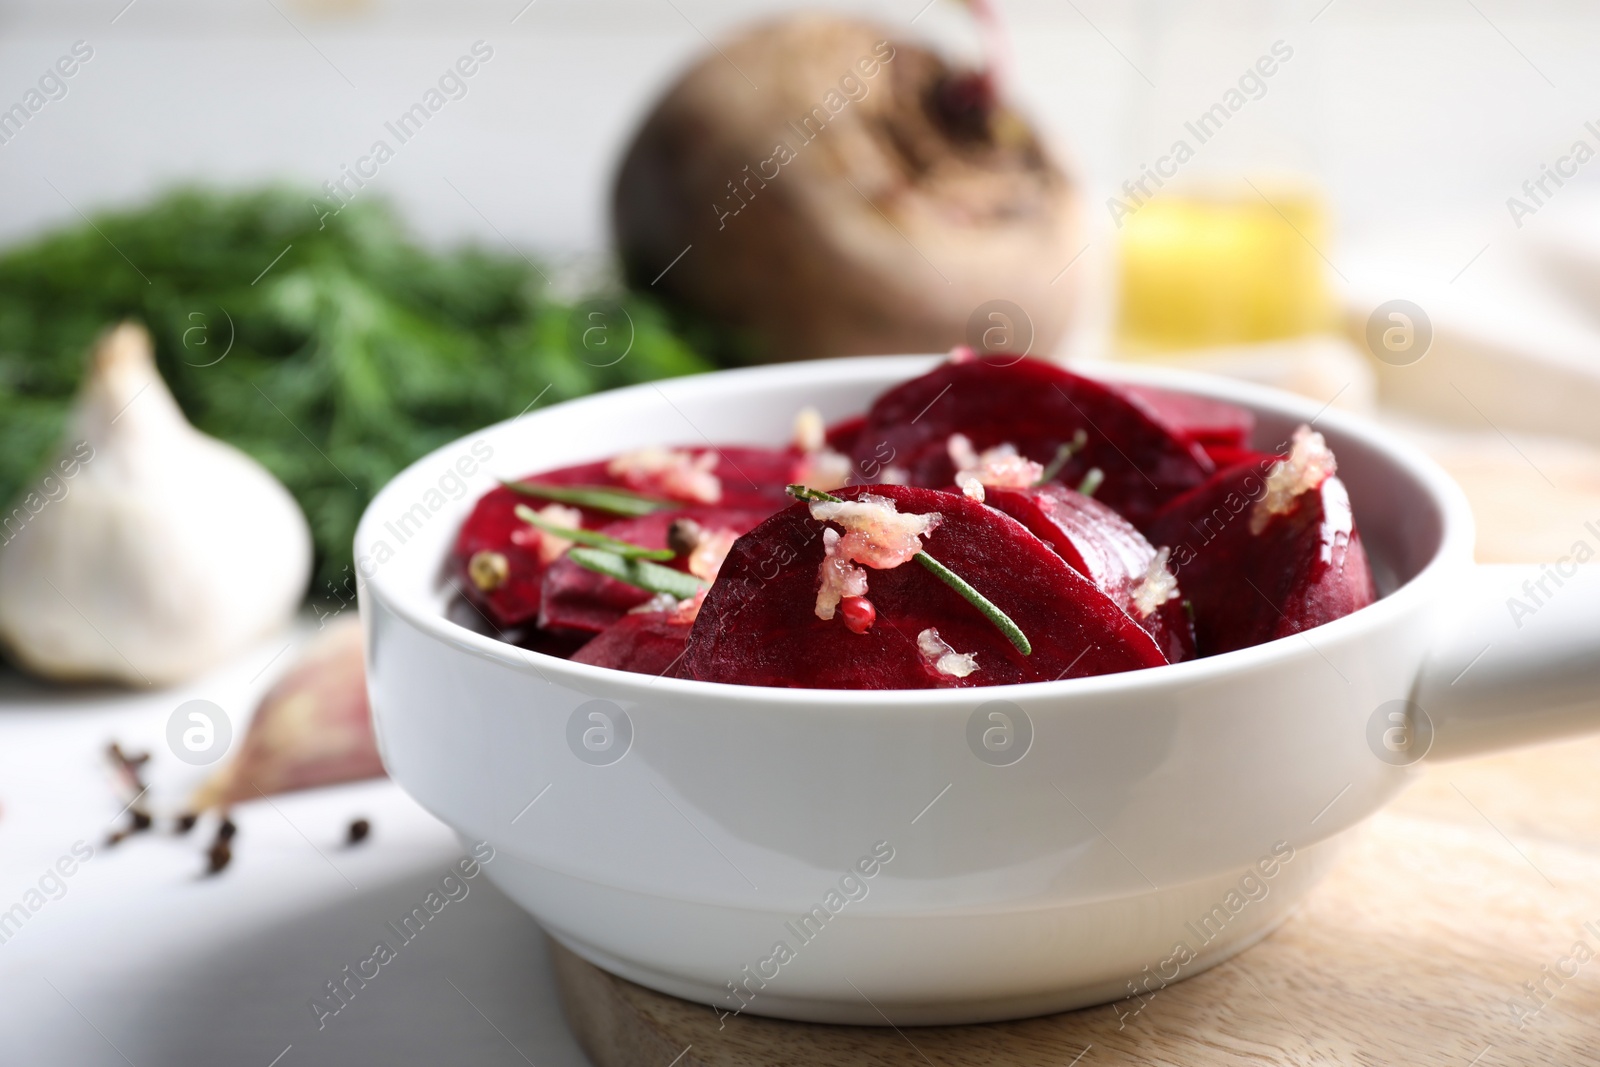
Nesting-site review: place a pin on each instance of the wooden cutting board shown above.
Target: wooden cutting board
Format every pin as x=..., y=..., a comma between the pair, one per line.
x=1480, y=878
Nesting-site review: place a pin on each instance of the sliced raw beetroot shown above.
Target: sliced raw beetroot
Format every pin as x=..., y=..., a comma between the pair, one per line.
x=1037, y=407
x=576, y=598
x=1105, y=548
x=1294, y=570
x=1200, y=419
x=758, y=625
x=647, y=642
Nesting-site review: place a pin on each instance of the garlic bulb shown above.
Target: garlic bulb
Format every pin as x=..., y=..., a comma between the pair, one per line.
x=158, y=551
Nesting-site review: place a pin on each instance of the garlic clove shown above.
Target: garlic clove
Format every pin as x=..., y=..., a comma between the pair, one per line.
x=156, y=552
x=313, y=727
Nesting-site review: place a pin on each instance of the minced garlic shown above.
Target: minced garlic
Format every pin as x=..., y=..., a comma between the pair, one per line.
x=552, y=545
x=684, y=611
x=810, y=432
x=671, y=473
x=824, y=469
x=962, y=454
x=1310, y=463
x=944, y=659
x=1000, y=467
x=1156, y=587
x=840, y=577
x=875, y=533
x=659, y=602
x=705, y=559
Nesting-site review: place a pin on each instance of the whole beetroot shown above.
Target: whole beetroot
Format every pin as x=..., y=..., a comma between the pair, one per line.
x=824, y=189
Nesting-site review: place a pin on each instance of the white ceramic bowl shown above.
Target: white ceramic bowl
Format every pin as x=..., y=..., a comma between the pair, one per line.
x=1127, y=831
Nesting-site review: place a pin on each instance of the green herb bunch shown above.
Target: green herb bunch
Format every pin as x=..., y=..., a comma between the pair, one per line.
x=335, y=351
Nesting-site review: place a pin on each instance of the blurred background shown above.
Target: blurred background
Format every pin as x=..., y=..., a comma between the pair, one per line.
x=1407, y=116
x=1376, y=164
x=1390, y=207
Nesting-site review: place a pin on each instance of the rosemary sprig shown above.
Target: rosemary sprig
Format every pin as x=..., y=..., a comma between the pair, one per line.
x=990, y=610
x=987, y=607
x=805, y=492
x=607, y=498
x=592, y=538
x=1064, y=453
x=651, y=577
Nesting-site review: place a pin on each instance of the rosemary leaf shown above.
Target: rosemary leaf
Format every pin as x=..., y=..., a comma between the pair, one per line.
x=1064, y=453
x=805, y=492
x=1092, y=481
x=1001, y=620
x=605, y=498
x=651, y=577
x=592, y=538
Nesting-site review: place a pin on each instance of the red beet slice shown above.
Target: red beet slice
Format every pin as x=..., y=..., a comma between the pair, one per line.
x=493, y=526
x=1037, y=407
x=758, y=625
x=1200, y=419
x=1306, y=566
x=1103, y=547
x=753, y=479
x=842, y=435
x=579, y=599
x=650, y=642
x=1225, y=456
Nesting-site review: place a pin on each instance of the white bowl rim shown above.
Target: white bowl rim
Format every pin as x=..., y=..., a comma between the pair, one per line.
x=1453, y=550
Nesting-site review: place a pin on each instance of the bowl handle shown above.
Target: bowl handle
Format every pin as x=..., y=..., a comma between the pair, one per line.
x=1518, y=661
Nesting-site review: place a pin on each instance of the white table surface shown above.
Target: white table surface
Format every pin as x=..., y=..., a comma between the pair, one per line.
x=143, y=961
